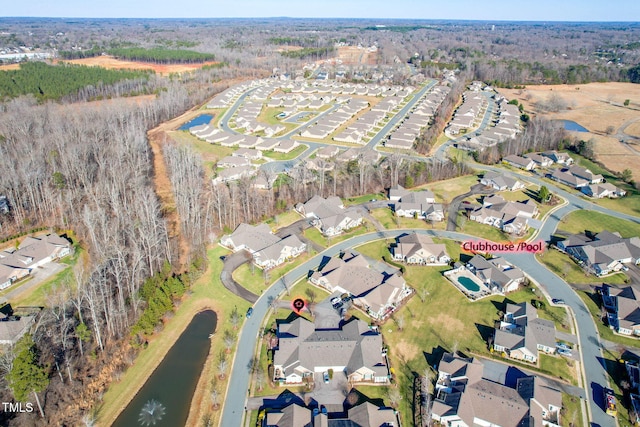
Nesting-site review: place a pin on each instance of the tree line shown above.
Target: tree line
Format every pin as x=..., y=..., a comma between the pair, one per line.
x=46, y=81
x=156, y=55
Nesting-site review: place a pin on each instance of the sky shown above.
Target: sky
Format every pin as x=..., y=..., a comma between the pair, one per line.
x=492, y=10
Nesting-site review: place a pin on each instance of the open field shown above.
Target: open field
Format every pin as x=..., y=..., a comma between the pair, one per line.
x=110, y=62
x=579, y=221
x=353, y=55
x=595, y=106
x=446, y=190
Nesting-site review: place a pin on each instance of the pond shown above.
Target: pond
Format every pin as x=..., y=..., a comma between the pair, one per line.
x=200, y=120
x=573, y=126
x=165, y=398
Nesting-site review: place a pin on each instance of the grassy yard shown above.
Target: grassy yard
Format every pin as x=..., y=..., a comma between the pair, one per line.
x=579, y=221
x=256, y=281
x=562, y=265
x=363, y=199
x=390, y=221
x=484, y=231
x=385, y=217
x=206, y=293
x=301, y=289
x=314, y=235
x=286, y=156
x=269, y=115
x=571, y=414
x=284, y=219
x=446, y=190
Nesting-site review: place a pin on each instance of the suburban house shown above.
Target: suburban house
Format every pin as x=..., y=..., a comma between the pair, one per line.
x=496, y=273
x=419, y=249
x=377, y=293
x=354, y=350
x=501, y=182
x=623, y=309
x=568, y=179
x=465, y=398
x=295, y=414
x=522, y=333
x=416, y=204
x=602, y=190
x=330, y=215
x=33, y=252
x=13, y=326
x=268, y=250
x=606, y=253
x=520, y=162
x=510, y=217
x=586, y=174
x=560, y=158
x=540, y=160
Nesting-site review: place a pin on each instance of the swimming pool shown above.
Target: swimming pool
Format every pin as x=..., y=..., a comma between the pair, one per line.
x=468, y=284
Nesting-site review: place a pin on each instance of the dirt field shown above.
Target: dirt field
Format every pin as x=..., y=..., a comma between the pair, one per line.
x=113, y=63
x=596, y=106
x=7, y=67
x=353, y=55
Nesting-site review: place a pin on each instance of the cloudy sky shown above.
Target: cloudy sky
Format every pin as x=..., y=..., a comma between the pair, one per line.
x=493, y=10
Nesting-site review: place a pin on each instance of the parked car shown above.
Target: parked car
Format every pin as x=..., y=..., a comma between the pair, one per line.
x=249, y=312
x=335, y=301
x=564, y=352
x=558, y=301
x=563, y=346
x=325, y=376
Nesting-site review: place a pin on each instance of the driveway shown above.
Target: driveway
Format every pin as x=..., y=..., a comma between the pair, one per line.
x=454, y=206
x=38, y=275
x=231, y=263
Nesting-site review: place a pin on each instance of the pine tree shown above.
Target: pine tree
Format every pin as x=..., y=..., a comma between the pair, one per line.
x=27, y=375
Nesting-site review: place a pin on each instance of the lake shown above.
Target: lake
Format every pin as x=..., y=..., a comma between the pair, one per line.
x=573, y=126
x=165, y=398
x=200, y=120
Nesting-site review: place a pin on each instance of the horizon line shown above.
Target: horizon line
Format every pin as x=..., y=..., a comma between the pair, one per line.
x=325, y=18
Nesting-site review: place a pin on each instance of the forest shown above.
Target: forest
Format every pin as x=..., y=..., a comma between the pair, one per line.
x=54, y=82
x=156, y=55
x=89, y=167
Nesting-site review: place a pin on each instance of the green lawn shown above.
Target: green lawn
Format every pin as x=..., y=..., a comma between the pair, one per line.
x=269, y=115
x=385, y=217
x=571, y=414
x=446, y=190
x=484, y=231
x=363, y=199
x=284, y=219
x=314, y=235
x=256, y=281
x=562, y=265
x=300, y=290
x=286, y=156
x=579, y=221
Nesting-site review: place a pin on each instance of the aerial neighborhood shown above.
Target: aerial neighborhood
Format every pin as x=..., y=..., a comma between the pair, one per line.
x=309, y=222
